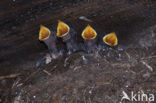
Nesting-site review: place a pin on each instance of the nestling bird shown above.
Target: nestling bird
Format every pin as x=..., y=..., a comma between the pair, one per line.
x=68, y=35
x=49, y=38
x=107, y=40
x=89, y=36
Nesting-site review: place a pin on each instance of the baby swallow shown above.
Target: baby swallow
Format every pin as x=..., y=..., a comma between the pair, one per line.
x=49, y=38
x=68, y=36
x=111, y=39
x=89, y=36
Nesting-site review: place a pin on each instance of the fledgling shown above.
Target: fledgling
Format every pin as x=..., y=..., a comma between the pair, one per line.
x=89, y=36
x=68, y=35
x=49, y=38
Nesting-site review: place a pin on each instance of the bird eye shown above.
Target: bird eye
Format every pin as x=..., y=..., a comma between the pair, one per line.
x=62, y=29
x=44, y=32
x=111, y=39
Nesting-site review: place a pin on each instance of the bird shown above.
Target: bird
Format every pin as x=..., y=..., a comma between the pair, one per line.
x=89, y=35
x=68, y=35
x=107, y=41
x=49, y=38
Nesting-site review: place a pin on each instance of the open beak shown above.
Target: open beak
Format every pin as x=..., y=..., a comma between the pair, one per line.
x=62, y=29
x=44, y=33
x=49, y=39
x=111, y=39
x=89, y=35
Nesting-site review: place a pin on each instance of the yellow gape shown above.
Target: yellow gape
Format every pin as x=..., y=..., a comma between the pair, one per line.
x=89, y=33
x=111, y=39
x=62, y=29
x=44, y=33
